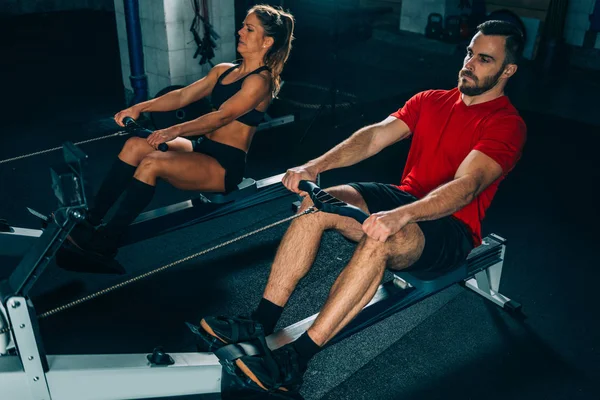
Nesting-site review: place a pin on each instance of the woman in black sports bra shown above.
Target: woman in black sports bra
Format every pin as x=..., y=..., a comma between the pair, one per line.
x=240, y=93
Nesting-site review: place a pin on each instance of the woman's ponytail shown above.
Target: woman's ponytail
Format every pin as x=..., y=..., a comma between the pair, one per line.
x=279, y=25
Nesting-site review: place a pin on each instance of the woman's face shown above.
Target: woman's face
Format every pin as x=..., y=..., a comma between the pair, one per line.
x=252, y=37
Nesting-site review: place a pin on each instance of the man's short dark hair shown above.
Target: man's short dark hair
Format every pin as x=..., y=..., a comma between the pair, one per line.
x=514, y=38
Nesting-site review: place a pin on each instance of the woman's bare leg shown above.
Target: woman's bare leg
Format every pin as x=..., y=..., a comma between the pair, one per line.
x=184, y=170
x=136, y=148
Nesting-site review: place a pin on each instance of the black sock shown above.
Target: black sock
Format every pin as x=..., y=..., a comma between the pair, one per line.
x=267, y=314
x=115, y=182
x=306, y=349
x=137, y=197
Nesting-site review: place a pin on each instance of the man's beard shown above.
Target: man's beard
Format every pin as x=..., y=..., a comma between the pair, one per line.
x=488, y=83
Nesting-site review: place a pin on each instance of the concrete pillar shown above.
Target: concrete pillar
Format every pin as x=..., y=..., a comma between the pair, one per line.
x=168, y=44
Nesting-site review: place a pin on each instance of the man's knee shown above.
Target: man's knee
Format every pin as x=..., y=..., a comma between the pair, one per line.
x=374, y=248
x=305, y=204
x=326, y=221
x=316, y=220
x=405, y=247
x=408, y=242
x=310, y=219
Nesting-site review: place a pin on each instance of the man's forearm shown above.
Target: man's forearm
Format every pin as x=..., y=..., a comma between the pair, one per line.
x=349, y=152
x=443, y=201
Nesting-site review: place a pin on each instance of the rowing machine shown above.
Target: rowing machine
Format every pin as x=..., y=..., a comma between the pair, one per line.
x=15, y=241
x=26, y=372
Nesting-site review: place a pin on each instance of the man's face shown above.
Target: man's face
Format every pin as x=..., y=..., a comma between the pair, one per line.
x=483, y=65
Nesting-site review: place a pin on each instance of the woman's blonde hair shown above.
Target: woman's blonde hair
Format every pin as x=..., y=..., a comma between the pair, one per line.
x=279, y=25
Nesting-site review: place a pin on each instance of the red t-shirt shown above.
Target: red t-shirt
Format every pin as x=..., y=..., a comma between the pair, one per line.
x=445, y=130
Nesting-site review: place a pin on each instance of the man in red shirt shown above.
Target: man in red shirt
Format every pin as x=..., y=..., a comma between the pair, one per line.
x=464, y=142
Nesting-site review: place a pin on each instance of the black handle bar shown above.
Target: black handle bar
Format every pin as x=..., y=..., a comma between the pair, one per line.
x=133, y=127
x=327, y=203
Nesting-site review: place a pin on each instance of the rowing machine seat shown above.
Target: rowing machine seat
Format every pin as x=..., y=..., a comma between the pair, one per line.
x=481, y=257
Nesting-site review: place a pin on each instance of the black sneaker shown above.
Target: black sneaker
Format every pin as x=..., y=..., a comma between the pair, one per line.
x=81, y=233
x=72, y=258
x=95, y=241
x=275, y=371
x=221, y=331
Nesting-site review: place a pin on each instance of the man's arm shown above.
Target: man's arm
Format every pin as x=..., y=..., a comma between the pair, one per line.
x=364, y=143
x=474, y=175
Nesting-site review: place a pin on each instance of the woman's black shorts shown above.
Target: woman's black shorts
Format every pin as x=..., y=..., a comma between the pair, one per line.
x=232, y=159
x=448, y=241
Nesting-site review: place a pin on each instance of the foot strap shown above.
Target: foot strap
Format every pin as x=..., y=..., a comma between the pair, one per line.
x=232, y=352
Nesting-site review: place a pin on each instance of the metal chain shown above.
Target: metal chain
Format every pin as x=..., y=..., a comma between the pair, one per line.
x=164, y=267
x=120, y=133
x=167, y=266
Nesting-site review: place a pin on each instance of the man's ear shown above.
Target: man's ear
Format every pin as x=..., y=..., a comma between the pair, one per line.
x=509, y=70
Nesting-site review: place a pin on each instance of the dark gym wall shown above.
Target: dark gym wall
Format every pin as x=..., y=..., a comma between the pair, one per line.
x=313, y=17
x=59, y=55
x=14, y=7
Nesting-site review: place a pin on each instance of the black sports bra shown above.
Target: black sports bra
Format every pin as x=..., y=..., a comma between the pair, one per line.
x=222, y=93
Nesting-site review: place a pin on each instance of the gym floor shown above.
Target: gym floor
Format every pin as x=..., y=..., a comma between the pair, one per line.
x=451, y=345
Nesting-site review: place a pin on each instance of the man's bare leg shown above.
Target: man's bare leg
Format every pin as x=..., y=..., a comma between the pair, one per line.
x=293, y=260
x=300, y=244
x=352, y=290
x=358, y=282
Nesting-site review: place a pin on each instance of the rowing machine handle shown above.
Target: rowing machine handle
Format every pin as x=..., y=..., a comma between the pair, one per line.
x=308, y=187
x=327, y=203
x=142, y=132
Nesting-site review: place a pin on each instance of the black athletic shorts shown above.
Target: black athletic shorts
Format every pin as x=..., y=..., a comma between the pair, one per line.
x=448, y=241
x=232, y=159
